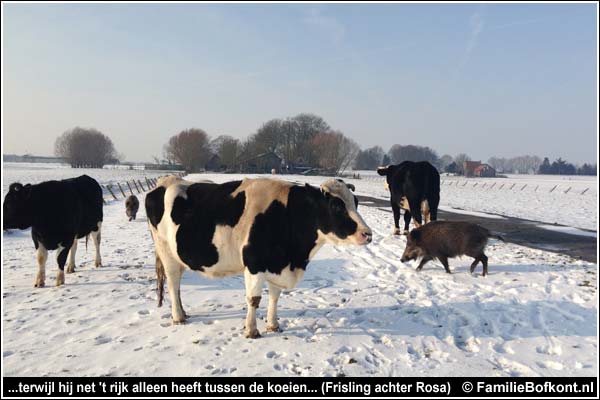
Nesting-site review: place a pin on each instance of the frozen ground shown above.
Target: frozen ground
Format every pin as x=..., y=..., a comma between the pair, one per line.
x=359, y=311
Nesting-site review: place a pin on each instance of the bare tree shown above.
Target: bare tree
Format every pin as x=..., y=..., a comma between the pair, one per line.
x=399, y=153
x=228, y=149
x=189, y=148
x=86, y=147
x=369, y=159
x=334, y=151
x=460, y=159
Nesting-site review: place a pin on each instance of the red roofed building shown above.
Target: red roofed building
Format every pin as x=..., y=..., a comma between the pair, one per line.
x=476, y=168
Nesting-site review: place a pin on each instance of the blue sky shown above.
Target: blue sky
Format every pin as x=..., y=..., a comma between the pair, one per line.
x=485, y=79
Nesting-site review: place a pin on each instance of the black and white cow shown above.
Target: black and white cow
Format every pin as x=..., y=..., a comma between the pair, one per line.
x=267, y=229
x=415, y=188
x=59, y=213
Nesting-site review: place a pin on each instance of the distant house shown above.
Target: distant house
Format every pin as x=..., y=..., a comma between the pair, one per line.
x=263, y=163
x=485, y=171
x=477, y=169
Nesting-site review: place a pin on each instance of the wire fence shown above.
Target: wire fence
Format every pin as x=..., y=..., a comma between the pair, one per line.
x=131, y=187
x=508, y=186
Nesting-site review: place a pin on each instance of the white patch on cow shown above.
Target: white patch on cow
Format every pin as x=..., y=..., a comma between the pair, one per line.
x=341, y=191
x=425, y=211
x=272, y=320
x=42, y=257
x=97, y=238
x=404, y=203
x=287, y=279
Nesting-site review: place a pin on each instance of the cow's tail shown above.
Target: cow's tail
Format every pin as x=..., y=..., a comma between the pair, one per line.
x=496, y=236
x=160, y=280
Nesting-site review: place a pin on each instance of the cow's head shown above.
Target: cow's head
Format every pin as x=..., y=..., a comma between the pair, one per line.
x=16, y=211
x=343, y=223
x=388, y=172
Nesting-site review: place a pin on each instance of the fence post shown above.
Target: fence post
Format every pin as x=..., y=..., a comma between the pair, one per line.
x=129, y=186
x=513, y=185
x=493, y=184
x=111, y=192
x=501, y=186
x=148, y=183
x=136, y=186
x=567, y=191
x=142, y=186
x=121, y=189
x=552, y=190
x=585, y=190
x=523, y=187
x=475, y=184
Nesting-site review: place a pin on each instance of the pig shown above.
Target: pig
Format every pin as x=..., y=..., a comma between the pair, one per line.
x=448, y=239
x=132, y=204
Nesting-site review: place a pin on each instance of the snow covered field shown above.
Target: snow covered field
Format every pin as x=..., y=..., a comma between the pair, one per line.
x=359, y=311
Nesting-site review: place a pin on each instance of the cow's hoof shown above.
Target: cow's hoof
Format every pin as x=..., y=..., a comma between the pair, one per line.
x=179, y=322
x=98, y=264
x=39, y=284
x=60, y=278
x=419, y=269
x=405, y=233
x=396, y=231
x=448, y=272
x=253, y=334
x=275, y=329
x=70, y=269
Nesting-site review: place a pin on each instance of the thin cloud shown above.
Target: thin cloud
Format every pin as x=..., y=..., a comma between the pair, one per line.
x=330, y=25
x=476, y=26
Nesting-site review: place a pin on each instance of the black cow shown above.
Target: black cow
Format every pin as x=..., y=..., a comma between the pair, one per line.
x=414, y=187
x=59, y=213
x=267, y=229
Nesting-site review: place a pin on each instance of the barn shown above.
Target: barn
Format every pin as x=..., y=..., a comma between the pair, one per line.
x=477, y=169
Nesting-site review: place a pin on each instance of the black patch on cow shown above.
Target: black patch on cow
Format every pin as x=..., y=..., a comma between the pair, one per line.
x=155, y=205
x=56, y=211
x=285, y=235
x=207, y=205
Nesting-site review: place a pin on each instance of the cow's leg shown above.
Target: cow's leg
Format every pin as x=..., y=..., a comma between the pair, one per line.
x=61, y=259
x=407, y=218
x=272, y=322
x=254, y=284
x=415, y=208
x=173, y=272
x=396, y=210
x=96, y=238
x=71, y=262
x=42, y=257
x=426, y=211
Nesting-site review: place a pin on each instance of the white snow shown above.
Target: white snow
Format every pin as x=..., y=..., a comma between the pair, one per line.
x=359, y=311
x=569, y=230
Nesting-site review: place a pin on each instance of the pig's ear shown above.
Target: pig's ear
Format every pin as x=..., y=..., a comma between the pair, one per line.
x=415, y=235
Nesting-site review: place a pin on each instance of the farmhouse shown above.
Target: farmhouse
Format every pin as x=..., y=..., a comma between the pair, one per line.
x=477, y=169
x=261, y=164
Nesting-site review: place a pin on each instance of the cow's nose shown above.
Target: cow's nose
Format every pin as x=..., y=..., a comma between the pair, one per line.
x=367, y=236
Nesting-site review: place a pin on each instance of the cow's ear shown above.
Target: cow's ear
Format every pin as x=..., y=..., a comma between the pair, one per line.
x=351, y=186
x=15, y=187
x=382, y=171
x=415, y=235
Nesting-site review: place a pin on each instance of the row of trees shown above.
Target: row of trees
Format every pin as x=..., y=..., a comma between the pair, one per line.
x=304, y=140
x=562, y=167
